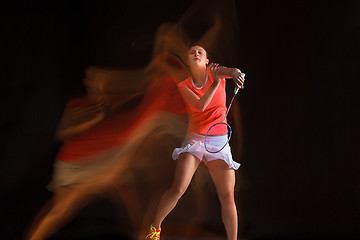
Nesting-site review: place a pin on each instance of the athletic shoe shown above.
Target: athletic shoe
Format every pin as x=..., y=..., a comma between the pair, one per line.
x=154, y=233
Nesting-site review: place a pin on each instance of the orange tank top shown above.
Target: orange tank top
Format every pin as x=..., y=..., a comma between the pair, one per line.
x=215, y=112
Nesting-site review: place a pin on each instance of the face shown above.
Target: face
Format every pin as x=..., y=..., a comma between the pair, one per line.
x=197, y=55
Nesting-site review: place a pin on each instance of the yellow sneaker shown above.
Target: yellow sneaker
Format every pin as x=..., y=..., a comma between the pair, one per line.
x=154, y=233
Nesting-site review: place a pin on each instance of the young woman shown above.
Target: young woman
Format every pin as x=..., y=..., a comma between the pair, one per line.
x=204, y=93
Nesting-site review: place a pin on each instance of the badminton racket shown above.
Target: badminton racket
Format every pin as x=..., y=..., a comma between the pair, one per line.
x=219, y=127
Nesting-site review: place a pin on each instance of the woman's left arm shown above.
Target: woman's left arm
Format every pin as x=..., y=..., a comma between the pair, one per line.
x=234, y=73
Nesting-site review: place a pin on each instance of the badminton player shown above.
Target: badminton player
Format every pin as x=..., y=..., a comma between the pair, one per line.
x=204, y=93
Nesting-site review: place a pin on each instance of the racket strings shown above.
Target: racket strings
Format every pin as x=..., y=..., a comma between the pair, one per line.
x=215, y=146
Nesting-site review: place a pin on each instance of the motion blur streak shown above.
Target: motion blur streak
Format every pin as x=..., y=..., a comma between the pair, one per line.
x=119, y=138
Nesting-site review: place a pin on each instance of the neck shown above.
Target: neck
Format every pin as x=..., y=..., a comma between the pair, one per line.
x=199, y=75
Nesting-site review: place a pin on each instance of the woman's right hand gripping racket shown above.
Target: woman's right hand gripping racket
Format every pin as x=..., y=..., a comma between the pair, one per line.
x=219, y=144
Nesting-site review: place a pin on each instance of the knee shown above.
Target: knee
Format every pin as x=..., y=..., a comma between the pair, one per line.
x=178, y=190
x=227, y=198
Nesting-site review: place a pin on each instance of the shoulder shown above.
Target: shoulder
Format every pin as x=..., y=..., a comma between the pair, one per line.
x=185, y=83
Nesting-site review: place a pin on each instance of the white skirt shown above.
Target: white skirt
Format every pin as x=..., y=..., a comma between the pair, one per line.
x=194, y=144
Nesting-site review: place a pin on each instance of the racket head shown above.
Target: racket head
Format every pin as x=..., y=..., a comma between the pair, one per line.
x=215, y=147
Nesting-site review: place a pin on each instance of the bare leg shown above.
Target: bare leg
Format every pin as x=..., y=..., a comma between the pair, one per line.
x=201, y=200
x=224, y=180
x=185, y=169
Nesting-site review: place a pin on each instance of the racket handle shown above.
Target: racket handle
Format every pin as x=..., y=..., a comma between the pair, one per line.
x=236, y=90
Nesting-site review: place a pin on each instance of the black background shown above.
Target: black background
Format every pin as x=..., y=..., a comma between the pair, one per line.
x=301, y=136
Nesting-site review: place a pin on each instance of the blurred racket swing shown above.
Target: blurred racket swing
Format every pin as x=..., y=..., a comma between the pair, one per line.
x=221, y=125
